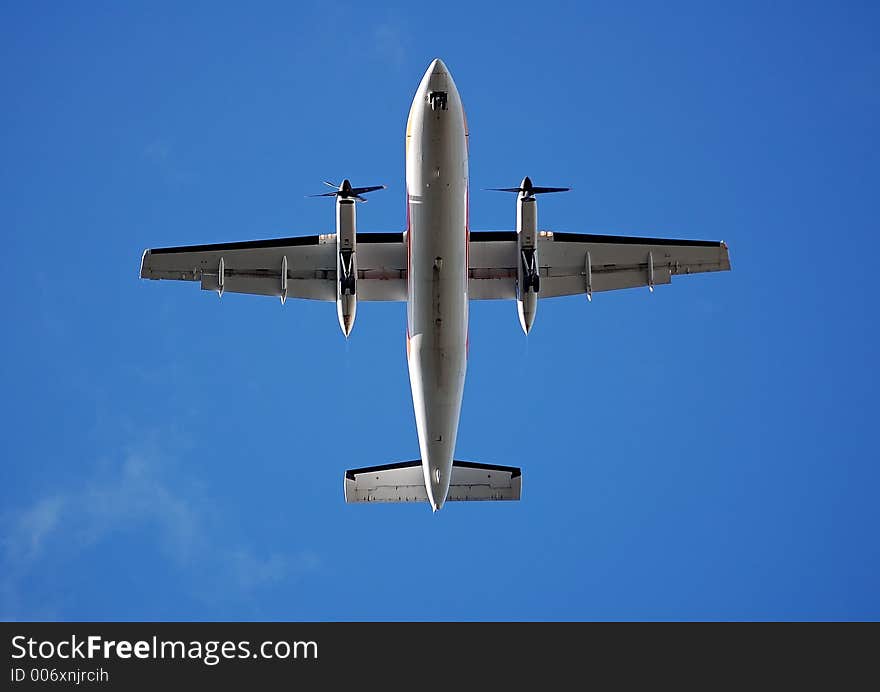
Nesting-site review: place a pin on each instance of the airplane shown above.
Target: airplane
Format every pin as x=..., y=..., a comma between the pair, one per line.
x=437, y=265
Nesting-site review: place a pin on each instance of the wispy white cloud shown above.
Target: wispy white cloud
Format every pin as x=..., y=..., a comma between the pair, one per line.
x=251, y=571
x=56, y=528
x=161, y=154
x=31, y=528
x=391, y=41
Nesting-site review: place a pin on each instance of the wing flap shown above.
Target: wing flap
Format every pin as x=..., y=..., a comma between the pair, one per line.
x=492, y=265
x=381, y=261
x=311, y=288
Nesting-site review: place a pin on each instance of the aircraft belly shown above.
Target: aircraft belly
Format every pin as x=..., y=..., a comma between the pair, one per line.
x=438, y=333
x=438, y=304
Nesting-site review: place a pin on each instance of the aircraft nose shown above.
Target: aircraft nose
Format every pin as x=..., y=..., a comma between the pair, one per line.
x=437, y=75
x=437, y=68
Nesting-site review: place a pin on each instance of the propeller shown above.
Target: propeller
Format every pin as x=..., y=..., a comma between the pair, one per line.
x=527, y=189
x=346, y=191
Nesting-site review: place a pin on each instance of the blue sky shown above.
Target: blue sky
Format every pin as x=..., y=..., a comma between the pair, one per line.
x=705, y=452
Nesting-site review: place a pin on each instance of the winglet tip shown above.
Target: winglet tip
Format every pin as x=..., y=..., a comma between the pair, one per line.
x=145, y=272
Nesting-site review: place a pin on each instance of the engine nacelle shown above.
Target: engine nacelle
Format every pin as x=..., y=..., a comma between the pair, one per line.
x=528, y=274
x=528, y=279
x=346, y=264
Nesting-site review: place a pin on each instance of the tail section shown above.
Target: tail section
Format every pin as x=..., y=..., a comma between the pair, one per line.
x=405, y=482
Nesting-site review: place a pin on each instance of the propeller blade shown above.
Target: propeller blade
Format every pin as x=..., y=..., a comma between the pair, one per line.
x=364, y=190
x=542, y=190
x=346, y=191
x=528, y=189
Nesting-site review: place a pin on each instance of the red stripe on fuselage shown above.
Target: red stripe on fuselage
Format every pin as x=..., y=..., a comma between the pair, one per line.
x=408, y=270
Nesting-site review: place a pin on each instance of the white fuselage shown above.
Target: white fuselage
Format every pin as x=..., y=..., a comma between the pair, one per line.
x=437, y=271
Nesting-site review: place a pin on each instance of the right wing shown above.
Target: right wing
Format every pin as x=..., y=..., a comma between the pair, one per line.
x=578, y=263
x=257, y=267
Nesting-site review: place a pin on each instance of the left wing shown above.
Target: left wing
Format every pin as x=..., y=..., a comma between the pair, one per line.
x=579, y=263
x=298, y=267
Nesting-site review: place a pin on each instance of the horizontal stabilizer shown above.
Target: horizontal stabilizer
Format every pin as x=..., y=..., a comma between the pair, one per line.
x=472, y=481
x=405, y=482
x=401, y=482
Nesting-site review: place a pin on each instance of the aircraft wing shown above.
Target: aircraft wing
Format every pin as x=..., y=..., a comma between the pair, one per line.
x=579, y=263
x=305, y=266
